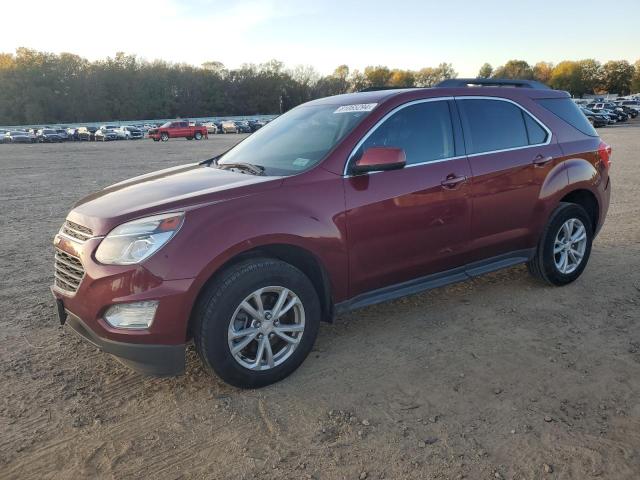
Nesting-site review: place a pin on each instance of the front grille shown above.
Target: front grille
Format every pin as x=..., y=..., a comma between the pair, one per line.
x=76, y=231
x=68, y=271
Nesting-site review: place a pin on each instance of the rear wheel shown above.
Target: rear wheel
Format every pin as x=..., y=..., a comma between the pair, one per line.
x=198, y=136
x=563, y=251
x=257, y=322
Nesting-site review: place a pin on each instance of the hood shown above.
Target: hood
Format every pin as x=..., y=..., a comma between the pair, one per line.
x=177, y=188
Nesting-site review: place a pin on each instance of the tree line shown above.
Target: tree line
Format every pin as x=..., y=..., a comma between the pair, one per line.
x=40, y=87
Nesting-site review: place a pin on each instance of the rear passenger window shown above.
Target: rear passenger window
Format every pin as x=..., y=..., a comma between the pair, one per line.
x=536, y=133
x=423, y=130
x=568, y=111
x=491, y=125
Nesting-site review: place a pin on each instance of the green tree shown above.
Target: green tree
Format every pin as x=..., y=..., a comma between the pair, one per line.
x=402, y=78
x=635, y=83
x=617, y=76
x=428, y=77
x=542, y=71
x=514, y=69
x=485, y=71
x=590, y=75
x=377, y=76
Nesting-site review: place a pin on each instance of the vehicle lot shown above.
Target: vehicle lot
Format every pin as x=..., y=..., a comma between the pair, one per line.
x=499, y=374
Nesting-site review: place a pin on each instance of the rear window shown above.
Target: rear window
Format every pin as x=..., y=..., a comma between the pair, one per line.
x=569, y=112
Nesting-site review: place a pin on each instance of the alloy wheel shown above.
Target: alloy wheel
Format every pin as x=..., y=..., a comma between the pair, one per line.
x=266, y=328
x=569, y=246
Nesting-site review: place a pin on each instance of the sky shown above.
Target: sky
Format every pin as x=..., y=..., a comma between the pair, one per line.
x=326, y=33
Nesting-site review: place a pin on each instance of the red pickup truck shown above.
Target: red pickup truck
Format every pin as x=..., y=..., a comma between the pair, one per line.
x=178, y=129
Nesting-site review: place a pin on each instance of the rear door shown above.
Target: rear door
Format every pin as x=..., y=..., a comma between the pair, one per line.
x=510, y=153
x=407, y=223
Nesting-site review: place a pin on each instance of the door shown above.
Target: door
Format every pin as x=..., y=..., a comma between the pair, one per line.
x=510, y=154
x=407, y=223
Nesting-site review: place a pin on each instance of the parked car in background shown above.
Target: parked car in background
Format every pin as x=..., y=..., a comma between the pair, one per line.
x=106, y=134
x=17, y=136
x=256, y=125
x=634, y=104
x=178, y=129
x=87, y=134
x=596, y=119
x=72, y=134
x=633, y=113
x=48, y=135
x=2, y=134
x=32, y=134
x=212, y=128
x=246, y=253
x=129, y=133
x=227, y=126
x=610, y=109
x=63, y=133
x=242, y=126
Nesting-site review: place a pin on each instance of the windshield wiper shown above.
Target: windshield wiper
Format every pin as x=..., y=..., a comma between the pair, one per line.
x=212, y=160
x=250, y=167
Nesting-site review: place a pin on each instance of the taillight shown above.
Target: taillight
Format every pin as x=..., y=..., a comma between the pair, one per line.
x=604, y=152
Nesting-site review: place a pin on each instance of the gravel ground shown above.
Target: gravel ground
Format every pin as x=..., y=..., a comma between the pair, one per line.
x=498, y=377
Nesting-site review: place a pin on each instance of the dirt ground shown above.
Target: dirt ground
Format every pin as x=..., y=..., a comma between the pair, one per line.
x=499, y=377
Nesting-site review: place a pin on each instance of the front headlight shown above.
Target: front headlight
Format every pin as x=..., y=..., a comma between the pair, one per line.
x=135, y=241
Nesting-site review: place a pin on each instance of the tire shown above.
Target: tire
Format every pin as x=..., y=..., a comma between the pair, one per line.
x=189, y=138
x=164, y=136
x=219, y=309
x=198, y=136
x=544, y=264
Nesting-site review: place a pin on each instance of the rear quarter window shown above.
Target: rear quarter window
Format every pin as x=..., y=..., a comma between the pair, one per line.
x=569, y=112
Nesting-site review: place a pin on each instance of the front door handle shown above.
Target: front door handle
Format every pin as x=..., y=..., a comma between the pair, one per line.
x=541, y=160
x=453, y=181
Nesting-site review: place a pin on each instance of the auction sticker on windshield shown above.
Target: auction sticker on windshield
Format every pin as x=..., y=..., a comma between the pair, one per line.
x=358, y=107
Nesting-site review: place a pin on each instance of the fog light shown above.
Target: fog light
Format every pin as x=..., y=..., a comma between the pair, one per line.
x=131, y=315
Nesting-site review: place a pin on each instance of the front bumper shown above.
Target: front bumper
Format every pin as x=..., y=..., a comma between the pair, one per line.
x=157, y=360
x=157, y=350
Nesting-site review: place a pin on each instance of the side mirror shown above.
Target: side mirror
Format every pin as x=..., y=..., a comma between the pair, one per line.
x=380, y=158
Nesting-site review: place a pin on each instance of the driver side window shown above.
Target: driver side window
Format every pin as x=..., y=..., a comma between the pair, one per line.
x=424, y=130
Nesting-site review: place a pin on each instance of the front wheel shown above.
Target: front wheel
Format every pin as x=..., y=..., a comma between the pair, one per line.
x=164, y=137
x=563, y=251
x=257, y=322
x=198, y=136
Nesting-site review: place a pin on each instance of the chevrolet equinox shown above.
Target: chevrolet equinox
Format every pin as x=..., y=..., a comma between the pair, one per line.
x=340, y=203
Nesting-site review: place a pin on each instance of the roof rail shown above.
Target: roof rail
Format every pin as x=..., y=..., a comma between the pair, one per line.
x=375, y=89
x=491, y=82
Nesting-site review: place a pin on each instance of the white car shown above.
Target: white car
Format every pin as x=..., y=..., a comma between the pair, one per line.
x=635, y=104
x=114, y=128
x=211, y=127
x=127, y=132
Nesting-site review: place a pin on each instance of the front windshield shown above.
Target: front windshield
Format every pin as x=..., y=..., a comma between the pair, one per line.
x=297, y=140
x=166, y=125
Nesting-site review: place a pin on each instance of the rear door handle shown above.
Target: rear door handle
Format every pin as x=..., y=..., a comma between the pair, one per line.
x=541, y=160
x=453, y=181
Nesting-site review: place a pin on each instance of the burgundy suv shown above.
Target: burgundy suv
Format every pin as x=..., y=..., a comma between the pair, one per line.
x=342, y=202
